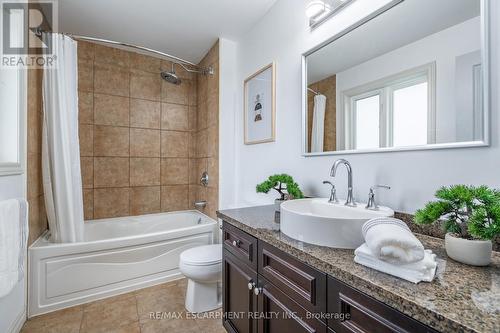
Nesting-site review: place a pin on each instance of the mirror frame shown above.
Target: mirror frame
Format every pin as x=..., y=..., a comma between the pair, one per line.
x=485, y=55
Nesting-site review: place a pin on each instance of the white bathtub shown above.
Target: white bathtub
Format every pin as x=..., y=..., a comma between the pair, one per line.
x=118, y=255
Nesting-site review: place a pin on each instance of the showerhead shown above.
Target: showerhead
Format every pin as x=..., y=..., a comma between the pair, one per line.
x=171, y=77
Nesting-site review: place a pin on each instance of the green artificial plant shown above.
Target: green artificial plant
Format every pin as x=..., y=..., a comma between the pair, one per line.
x=283, y=184
x=470, y=212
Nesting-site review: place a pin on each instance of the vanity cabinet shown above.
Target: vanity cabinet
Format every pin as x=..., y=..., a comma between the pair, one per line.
x=266, y=290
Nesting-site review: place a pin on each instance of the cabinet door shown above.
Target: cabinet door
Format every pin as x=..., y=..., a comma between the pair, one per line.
x=239, y=302
x=279, y=313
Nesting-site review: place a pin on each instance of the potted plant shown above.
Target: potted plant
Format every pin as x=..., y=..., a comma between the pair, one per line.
x=284, y=185
x=471, y=218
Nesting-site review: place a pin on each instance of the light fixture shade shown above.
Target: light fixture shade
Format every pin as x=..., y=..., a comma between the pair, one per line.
x=315, y=8
x=318, y=11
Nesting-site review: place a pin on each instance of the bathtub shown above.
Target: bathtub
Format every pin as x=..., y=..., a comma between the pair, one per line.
x=117, y=256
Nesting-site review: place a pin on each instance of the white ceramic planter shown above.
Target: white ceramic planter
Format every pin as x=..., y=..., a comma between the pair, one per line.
x=470, y=252
x=277, y=204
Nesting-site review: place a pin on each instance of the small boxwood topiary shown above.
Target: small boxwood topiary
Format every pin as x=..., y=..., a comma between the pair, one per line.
x=283, y=184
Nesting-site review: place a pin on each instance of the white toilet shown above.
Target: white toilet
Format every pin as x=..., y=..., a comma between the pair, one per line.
x=202, y=266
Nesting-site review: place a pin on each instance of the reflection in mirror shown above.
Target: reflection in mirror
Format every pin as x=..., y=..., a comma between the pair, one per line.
x=410, y=77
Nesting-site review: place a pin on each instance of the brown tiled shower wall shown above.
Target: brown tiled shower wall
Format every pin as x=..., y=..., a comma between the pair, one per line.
x=205, y=152
x=142, y=150
x=37, y=215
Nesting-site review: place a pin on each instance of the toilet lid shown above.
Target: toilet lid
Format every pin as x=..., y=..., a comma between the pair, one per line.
x=203, y=255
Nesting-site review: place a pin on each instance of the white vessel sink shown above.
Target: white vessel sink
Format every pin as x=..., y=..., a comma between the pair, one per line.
x=319, y=222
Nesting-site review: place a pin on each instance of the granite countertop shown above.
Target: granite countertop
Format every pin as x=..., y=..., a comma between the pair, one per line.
x=460, y=299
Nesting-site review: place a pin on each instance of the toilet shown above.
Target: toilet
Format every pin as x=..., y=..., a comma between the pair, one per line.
x=202, y=266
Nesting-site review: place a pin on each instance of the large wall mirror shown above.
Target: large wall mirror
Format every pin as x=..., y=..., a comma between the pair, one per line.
x=411, y=76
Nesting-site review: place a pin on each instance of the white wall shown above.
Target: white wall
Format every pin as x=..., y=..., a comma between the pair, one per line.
x=282, y=36
x=443, y=48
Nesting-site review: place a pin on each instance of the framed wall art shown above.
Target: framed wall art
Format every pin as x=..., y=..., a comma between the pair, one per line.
x=260, y=106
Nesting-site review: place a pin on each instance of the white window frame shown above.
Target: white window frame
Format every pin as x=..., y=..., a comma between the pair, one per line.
x=19, y=166
x=351, y=117
x=477, y=81
x=385, y=88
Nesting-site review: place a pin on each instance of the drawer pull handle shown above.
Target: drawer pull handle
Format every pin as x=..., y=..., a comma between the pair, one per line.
x=236, y=243
x=257, y=291
x=251, y=285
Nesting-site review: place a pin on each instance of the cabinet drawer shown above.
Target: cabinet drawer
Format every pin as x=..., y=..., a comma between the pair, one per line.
x=300, y=282
x=366, y=313
x=282, y=314
x=240, y=244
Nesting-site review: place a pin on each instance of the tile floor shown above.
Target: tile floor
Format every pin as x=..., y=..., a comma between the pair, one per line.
x=130, y=313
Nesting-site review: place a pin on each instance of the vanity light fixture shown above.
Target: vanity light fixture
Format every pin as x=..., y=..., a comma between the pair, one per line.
x=318, y=11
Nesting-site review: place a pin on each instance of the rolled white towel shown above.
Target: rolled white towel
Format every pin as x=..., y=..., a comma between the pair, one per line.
x=391, y=240
x=423, y=270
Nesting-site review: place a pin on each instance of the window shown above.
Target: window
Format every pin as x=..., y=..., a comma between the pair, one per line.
x=367, y=111
x=410, y=113
x=397, y=111
x=13, y=107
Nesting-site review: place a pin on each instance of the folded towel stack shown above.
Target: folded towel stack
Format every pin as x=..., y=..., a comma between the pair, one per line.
x=391, y=247
x=13, y=242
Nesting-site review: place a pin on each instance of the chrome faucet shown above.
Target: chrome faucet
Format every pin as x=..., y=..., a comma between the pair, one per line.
x=350, y=200
x=333, y=193
x=372, y=203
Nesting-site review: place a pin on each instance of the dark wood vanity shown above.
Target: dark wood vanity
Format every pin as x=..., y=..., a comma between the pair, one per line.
x=266, y=290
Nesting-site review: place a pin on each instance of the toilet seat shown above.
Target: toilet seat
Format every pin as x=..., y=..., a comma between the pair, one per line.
x=206, y=255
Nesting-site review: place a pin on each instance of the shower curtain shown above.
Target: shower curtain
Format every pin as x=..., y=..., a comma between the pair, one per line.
x=318, y=124
x=62, y=182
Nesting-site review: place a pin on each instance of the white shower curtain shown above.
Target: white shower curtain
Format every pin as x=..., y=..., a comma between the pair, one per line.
x=318, y=125
x=62, y=182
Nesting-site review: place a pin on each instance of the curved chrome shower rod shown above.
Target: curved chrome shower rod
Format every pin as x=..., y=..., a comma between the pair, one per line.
x=314, y=91
x=179, y=61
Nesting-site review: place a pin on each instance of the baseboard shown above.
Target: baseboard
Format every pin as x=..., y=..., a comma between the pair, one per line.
x=18, y=323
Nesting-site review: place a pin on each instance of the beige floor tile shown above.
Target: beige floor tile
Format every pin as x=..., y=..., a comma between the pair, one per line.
x=109, y=315
x=210, y=325
x=130, y=313
x=170, y=325
x=64, y=321
x=168, y=299
x=107, y=302
x=129, y=328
